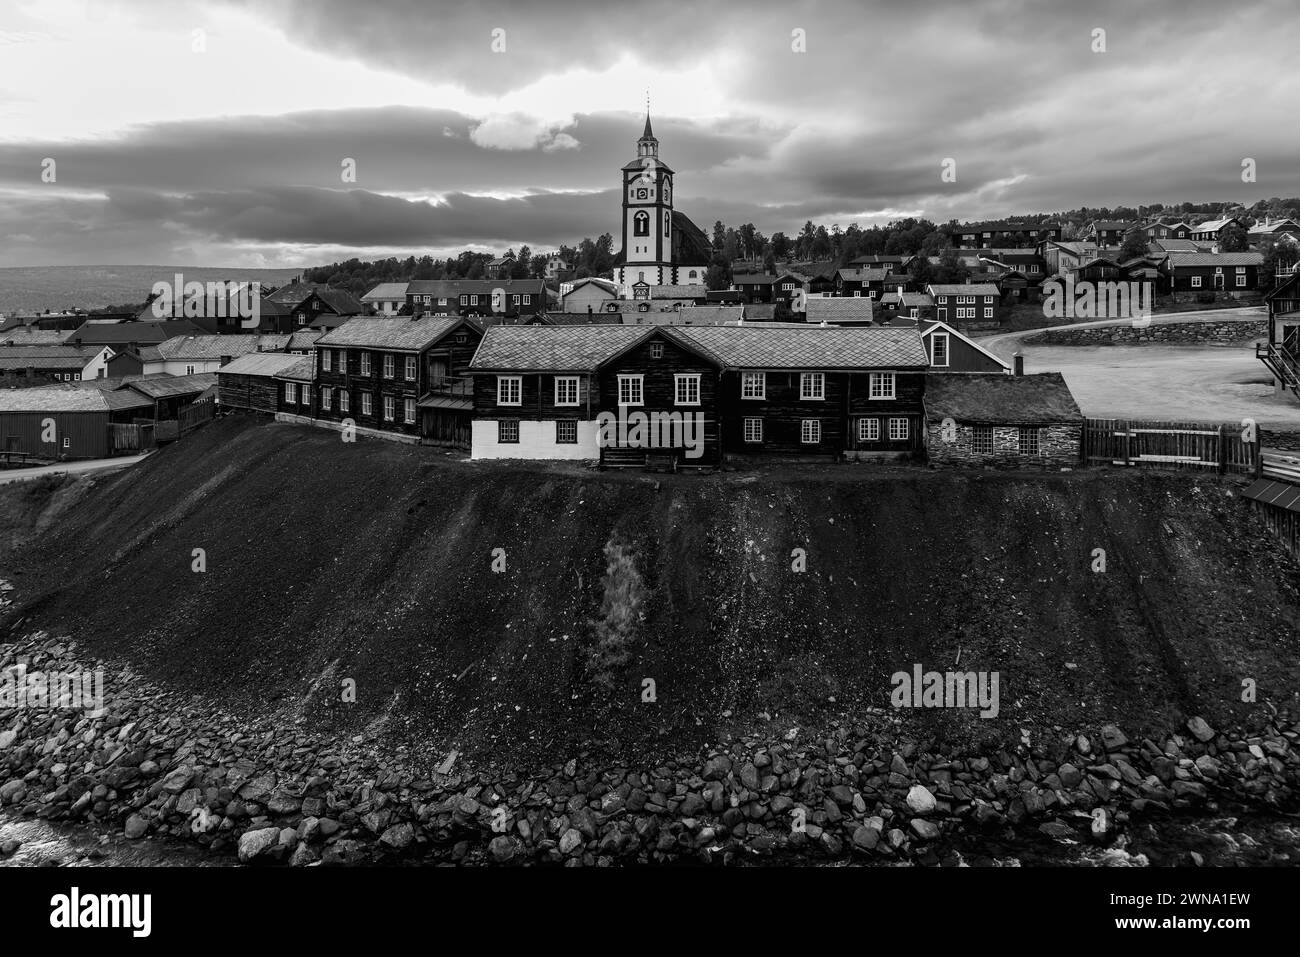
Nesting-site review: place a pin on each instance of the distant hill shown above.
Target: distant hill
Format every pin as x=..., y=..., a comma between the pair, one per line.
x=28, y=289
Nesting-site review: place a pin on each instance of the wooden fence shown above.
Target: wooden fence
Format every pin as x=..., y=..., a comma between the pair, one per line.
x=1170, y=445
x=192, y=416
x=130, y=438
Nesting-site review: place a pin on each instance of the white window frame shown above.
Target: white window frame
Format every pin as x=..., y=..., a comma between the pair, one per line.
x=345, y=401
x=1196, y=282
x=899, y=430
x=326, y=398
x=687, y=380
x=752, y=429
x=410, y=369
x=810, y=432
x=290, y=393
x=753, y=385
x=934, y=353
x=868, y=430
x=882, y=385
x=390, y=409
x=408, y=411
x=326, y=359
x=365, y=363
x=656, y=350
x=528, y=299
x=567, y=423
x=631, y=385
x=390, y=366
x=988, y=312
x=1241, y=280
x=506, y=423
x=367, y=403
x=508, y=385
x=807, y=379
x=562, y=383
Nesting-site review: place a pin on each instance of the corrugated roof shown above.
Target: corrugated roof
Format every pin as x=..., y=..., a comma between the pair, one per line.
x=808, y=347
x=165, y=387
x=998, y=399
x=1279, y=494
x=390, y=332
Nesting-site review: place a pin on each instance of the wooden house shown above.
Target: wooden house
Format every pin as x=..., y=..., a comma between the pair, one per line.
x=950, y=351
x=400, y=376
x=476, y=297
x=971, y=305
x=249, y=382
x=1212, y=230
x=1214, y=272
x=1002, y=421
x=59, y=422
x=1281, y=354
x=310, y=305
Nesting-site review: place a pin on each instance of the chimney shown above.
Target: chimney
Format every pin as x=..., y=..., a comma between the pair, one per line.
x=1019, y=360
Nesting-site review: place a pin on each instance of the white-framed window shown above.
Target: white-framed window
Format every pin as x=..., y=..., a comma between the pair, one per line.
x=1028, y=441
x=753, y=429
x=939, y=350
x=1196, y=282
x=566, y=390
x=880, y=385
x=656, y=350
x=473, y=300
x=812, y=385
x=982, y=440
x=857, y=293
x=326, y=355
x=342, y=358
x=787, y=286
x=326, y=398
x=427, y=299
x=528, y=299
x=189, y=370
x=914, y=313
x=988, y=312
x=390, y=408
x=810, y=431
x=67, y=442
x=304, y=394
x=389, y=366
x=365, y=363
x=345, y=400
x=510, y=390
x=566, y=431
x=868, y=430
x=1241, y=280
x=686, y=389
x=514, y=300
x=367, y=403
x=410, y=368
x=753, y=385
x=442, y=300
x=897, y=430
x=508, y=431
x=290, y=393
x=630, y=390
x=409, y=409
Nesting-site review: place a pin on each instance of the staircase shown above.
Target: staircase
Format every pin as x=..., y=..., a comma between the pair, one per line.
x=1283, y=364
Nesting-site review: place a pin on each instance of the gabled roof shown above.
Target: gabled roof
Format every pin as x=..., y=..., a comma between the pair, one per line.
x=808, y=347
x=963, y=289
x=296, y=293
x=870, y=274
x=143, y=332
x=34, y=336
x=263, y=363
x=605, y=285
x=48, y=357
x=386, y=292
x=212, y=347
x=304, y=370
x=550, y=348
x=455, y=288
x=910, y=299
x=1215, y=259
x=933, y=327
x=391, y=332
x=53, y=398
x=993, y=398
x=838, y=309
x=694, y=316
x=1214, y=225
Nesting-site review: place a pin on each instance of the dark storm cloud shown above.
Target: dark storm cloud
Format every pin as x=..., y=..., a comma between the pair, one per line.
x=858, y=124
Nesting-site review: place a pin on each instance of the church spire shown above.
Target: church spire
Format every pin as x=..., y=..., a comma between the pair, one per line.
x=649, y=133
x=647, y=145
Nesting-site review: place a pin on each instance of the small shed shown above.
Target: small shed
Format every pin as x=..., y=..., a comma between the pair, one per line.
x=1002, y=421
x=63, y=422
x=250, y=382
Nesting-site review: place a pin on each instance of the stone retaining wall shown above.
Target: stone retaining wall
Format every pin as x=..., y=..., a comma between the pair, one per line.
x=1059, y=446
x=1207, y=332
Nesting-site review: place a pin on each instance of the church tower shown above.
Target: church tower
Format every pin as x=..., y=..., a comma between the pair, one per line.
x=647, y=215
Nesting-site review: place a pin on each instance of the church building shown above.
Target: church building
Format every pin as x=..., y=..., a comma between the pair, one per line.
x=661, y=247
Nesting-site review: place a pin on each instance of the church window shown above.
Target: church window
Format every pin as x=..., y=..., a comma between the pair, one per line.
x=641, y=223
x=666, y=225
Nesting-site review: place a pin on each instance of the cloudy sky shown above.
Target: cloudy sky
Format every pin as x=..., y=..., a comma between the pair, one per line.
x=214, y=132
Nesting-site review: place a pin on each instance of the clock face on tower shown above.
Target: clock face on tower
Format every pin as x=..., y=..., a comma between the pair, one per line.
x=642, y=194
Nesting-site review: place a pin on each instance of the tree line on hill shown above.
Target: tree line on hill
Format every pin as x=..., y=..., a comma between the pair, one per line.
x=813, y=243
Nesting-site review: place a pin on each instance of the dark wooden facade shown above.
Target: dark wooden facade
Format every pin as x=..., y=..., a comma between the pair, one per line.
x=251, y=393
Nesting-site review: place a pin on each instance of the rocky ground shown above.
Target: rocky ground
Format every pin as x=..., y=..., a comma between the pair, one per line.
x=154, y=764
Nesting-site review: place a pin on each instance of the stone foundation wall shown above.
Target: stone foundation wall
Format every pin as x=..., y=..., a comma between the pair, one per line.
x=1221, y=331
x=1059, y=446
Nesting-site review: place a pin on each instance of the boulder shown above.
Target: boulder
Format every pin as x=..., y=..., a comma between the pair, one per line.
x=920, y=800
x=252, y=844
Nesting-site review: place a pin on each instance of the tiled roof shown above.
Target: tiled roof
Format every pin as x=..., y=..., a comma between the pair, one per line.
x=550, y=348
x=808, y=347
x=1215, y=259
x=163, y=387
x=1171, y=245
x=998, y=399
x=760, y=311
x=304, y=339
x=963, y=289
x=595, y=317
x=263, y=363
x=870, y=274
x=33, y=336
x=122, y=399
x=47, y=357
x=304, y=370
x=390, y=332
x=917, y=299
x=838, y=309
x=142, y=332
x=386, y=291
x=668, y=291
x=215, y=347
x=692, y=316
x=615, y=306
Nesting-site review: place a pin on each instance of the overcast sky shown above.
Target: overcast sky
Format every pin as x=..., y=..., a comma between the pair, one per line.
x=225, y=146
